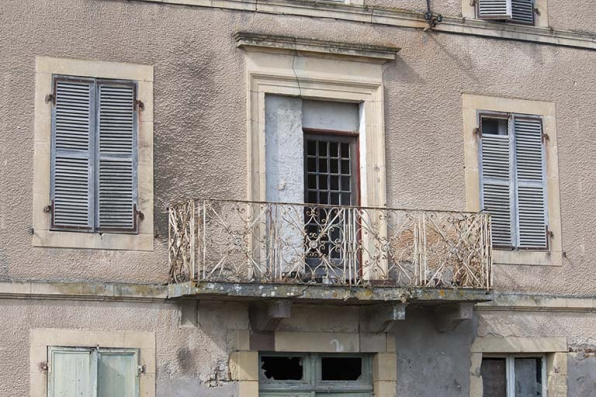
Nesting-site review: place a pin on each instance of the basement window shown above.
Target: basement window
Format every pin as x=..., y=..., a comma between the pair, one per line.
x=512, y=376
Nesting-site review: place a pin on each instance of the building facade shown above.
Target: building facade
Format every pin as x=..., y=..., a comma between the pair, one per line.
x=297, y=198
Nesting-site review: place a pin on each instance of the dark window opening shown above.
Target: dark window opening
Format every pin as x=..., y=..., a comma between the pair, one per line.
x=493, y=126
x=494, y=377
x=341, y=368
x=528, y=377
x=282, y=368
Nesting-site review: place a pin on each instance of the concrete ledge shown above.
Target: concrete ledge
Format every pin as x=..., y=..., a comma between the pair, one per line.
x=324, y=293
x=398, y=17
x=81, y=291
x=316, y=47
x=539, y=302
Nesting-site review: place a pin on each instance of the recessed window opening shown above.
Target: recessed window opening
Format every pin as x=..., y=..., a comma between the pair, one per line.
x=513, y=376
x=282, y=368
x=341, y=368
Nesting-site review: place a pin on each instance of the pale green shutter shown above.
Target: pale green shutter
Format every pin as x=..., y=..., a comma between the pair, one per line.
x=494, y=9
x=71, y=184
x=71, y=372
x=523, y=11
x=530, y=183
x=118, y=374
x=117, y=157
x=496, y=181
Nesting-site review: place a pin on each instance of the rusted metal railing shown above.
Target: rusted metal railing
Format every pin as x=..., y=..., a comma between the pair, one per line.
x=259, y=242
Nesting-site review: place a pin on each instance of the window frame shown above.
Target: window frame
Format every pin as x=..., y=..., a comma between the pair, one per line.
x=510, y=369
x=96, y=352
x=312, y=364
x=513, y=183
x=94, y=154
x=42, y=233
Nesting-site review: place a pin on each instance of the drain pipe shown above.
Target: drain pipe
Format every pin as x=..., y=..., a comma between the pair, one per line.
x=431, y=18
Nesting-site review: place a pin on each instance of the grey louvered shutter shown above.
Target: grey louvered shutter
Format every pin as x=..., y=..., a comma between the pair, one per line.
x=496, y=186
x=494, y=9
x=523, y=11
x=71, y=168
x=530, y=182
x=117, y=157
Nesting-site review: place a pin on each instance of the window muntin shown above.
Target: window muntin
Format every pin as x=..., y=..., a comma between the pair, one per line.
x=514, y=376
x=513, y=179
x=93, y=372
x=317, y=376
x=330, y=165
x=94, y=155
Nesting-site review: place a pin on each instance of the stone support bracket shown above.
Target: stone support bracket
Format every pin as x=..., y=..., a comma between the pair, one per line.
x=266, y=316
x=380, y=319
x=447, y=318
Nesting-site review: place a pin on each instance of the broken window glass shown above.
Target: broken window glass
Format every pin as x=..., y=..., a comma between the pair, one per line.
x=341, y=368
x=282, y=368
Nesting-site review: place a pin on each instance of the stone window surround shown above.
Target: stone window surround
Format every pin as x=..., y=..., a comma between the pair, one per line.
x=41, y=338
x=244, y=363
x=324, y=79
x=43, y=236
x=554, y=349
x=472, y=104
x=468, y=8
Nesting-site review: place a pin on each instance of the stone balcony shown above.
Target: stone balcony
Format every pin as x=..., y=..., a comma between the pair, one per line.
x=276, y=254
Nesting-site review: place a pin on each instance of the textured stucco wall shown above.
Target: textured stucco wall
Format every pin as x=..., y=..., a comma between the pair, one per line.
x=200, y=120
x=190, y=355
x=581, y=369
x=577, y=327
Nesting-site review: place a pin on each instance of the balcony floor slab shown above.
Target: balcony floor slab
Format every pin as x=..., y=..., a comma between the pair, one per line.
x=340, y=295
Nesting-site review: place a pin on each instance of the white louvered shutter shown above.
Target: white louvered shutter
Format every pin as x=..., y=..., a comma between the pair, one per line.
x=530, y=182
x=117, y=179
x=522, y=11
x=71, y=169
x=496, y=186
x=494, y=9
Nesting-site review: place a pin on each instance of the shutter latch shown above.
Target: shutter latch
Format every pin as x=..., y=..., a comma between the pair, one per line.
x=142, y=369
x=139, y=104
x=476, y=132
x=47, y=209
x=545, y=137
x=43, y=366
x=50, y=98
x=472, y=3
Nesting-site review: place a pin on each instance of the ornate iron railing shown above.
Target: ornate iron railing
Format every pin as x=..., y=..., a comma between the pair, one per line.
x=258, y=242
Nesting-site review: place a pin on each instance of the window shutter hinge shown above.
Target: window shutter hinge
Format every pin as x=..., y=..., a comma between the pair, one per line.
x=47, y=209
x=477, y=132
x=50, y=98
x=43, y=366
x=139, y=104
x=472, y=3
x=545, y=137
x=142, y=369
x=139, y=214
x=537, y=11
